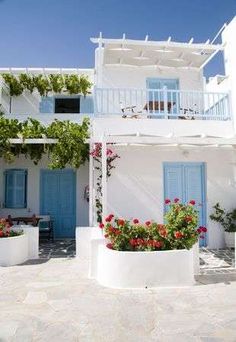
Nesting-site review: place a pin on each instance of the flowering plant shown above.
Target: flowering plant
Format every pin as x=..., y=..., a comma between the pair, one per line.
x=111, y=157
x=179, y=232
x=6, y=231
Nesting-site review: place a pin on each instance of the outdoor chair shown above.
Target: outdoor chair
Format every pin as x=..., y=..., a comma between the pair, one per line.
x=46, y=228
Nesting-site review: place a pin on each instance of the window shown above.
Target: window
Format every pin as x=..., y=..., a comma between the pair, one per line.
x=16, y=188
x=67, y=105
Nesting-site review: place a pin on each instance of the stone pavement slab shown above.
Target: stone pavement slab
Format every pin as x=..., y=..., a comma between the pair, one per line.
x=55, y=301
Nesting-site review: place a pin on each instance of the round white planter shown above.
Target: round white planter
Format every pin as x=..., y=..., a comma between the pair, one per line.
x=13, y=250
x=145, y=269
x=230, y=239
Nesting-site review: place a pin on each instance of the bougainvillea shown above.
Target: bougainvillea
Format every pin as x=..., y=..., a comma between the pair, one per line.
x=111, y=157
x=180, y=230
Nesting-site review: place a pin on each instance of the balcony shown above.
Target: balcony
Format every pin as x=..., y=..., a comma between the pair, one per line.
x=162, y=104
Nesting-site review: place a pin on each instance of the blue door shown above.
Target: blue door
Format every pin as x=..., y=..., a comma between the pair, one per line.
x=160, y=102
x=186, y=181
x=58, y=199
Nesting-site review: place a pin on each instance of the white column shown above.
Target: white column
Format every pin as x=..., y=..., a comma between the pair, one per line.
x=91, y=186
x=104, y=178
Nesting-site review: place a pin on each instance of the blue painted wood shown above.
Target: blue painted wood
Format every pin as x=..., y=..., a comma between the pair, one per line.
x=86, y=104
x=16, y=188
x=46, y=104
x=58, y=199
x=163, y=83
x=188, y=182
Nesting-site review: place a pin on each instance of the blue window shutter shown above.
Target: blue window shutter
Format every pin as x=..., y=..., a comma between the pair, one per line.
x=46, y=104
x=173, y=182
x=86, y=104
x=15, y=188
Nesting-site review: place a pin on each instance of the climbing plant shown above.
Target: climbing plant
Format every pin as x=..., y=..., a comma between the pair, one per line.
x=71, y=147
x=71, y=84
x=111, y=157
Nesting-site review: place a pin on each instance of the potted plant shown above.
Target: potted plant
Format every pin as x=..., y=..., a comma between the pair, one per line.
x=150, y=254
x=13, y=245
x=228, y=221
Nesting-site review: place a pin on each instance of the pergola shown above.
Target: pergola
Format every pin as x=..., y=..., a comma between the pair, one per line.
x=160, y=54
x=171, y=141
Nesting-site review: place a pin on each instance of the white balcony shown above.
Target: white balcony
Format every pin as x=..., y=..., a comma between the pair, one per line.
x=162, y=104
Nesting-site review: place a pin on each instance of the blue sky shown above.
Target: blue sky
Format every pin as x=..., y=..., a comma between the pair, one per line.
x=55, y=33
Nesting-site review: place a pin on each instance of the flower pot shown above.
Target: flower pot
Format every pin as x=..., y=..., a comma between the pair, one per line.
x=230, y=239
x=119, y=269
x=13, y=250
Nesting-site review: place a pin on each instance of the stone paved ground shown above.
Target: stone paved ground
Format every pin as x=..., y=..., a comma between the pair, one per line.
x=53, y=300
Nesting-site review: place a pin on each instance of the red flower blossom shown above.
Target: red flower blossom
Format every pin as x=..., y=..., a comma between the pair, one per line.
x=192, y=202
x=135, y=221
x=110, y=245
x=148, y=223
x=178, y=235
x=158, y=244
x=120, y=222
x=106, y=236
x=188, y=219
x=199, y=230
x=101, y=225
x=204, y=229
x=167, y=201
x=117, y=231
x=163, y=232
x=108, y=219
x=132, y=242
x=1, y=233
x=176, y=200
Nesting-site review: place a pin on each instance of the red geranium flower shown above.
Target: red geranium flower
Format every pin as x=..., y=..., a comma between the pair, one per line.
x=188, y=219
x=108, y=219
x=147, y=223
x=135, y=221
x=178, y=235
x=204, y=229
x=192, y=202
x=101, y=225
x=106, y=236
x=121, y=222
x=176, y=200
x=158, y=244
x=110, y=245
x=167, y=201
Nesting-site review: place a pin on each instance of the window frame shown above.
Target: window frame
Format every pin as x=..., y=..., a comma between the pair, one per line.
x=13, y=205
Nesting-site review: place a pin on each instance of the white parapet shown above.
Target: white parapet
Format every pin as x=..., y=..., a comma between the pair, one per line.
x=13, y=250
x=84, y=236
x=118, y=269
x=32, y=234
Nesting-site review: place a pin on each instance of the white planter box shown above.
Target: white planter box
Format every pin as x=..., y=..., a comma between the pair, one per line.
x=230, y=239
x=145, y=269
x=33, y=239
x=13, y=250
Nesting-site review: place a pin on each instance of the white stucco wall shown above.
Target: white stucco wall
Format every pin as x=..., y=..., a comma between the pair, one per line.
x=33, y=189
x=129, y=77
x=135, y=188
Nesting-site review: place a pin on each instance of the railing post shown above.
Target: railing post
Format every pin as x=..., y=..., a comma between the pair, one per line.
x=165, y=96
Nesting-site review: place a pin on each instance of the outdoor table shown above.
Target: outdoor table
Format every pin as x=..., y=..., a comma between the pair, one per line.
x=34, y=220
x=158, y=105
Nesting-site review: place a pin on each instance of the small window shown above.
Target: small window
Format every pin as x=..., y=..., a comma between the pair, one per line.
x=16, y=188
x=67, y=105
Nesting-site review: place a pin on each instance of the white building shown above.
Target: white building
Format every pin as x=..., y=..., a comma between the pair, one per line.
x=174, y=138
